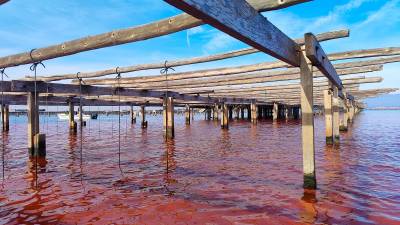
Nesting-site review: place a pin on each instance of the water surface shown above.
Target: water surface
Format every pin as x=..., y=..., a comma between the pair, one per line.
x=245, y=175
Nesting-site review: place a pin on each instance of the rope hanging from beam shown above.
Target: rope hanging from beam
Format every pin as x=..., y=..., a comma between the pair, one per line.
x=164, y=71
x=2, y=72
x=118, y=77
x=33, y=68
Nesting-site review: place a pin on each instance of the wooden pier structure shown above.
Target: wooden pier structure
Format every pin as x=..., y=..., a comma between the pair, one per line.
x=249, y=92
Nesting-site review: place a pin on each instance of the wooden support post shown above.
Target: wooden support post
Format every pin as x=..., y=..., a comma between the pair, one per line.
x=336, y=122
x=143, y=114
x=253, y=112
x=225, y=116
x=275, y=111
x=208, y=113
x=5, y=117
x=187, y=114
x=351, y=112
x=71, y=115
x=36, y=141
x=328, y=116
x=168, y=113
x=307, y=104
x=230, y=110
x=215, y=112
x=133, y=115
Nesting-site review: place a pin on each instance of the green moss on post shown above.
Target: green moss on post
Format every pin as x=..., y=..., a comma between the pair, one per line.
x=310, y=182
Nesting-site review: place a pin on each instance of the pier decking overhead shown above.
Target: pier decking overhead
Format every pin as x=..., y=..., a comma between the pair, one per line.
x=305, y=76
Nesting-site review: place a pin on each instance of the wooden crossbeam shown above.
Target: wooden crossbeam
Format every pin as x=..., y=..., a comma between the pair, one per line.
x=246, y=51
x=28, y=86
x=317, y=56
x=260, y=77
x=3, y=1
x=133, y=34
x=225, y=72
x=245, y=24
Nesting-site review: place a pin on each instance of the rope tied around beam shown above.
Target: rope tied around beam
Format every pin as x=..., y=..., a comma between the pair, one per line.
x=33, y=68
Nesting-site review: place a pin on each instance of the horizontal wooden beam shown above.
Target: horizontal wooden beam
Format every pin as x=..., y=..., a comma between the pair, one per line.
x=133, y=34
x=317, y=56
x=29, y=86
x=240, y=71
x=241, y=21
x=260, y=77
x=246, y=51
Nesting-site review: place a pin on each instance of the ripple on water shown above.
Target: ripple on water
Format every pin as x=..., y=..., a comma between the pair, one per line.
x=246, y=175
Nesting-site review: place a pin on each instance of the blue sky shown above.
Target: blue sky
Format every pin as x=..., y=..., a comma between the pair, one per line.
x=28, y=24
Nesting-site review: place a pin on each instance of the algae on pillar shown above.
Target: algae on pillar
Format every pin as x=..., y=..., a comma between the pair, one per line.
x=328, y=116
x=168, y=113
x=307, y=119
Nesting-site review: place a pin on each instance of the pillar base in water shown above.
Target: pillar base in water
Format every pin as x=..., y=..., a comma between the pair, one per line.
x=39, y=148
x=73, y=127
x=225, y=126
x=144, y=124
x=133, y=120
x=343, y=128
x=310, y=181
x=337, y=139
x=329, y=140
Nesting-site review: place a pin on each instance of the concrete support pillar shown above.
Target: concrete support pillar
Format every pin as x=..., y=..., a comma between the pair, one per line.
x=143, y=115
x=237, y=112
x=230, y=110
x=242, y=112
x=133, y=115
x=345, y=120
x=208, y=113
x=168, y=113
x=286, y=112
x=307, y=105
x=328, y=116
x=275, y=111
x=71, y=115
x=187, y=114
x=253, y=112
x=225, y=116
x=36, y=141
x=351, y=112
x=336, y=121
x=5, y=117
x=215, y=112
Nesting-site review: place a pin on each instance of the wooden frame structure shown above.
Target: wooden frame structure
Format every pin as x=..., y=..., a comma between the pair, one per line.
x=311, y=78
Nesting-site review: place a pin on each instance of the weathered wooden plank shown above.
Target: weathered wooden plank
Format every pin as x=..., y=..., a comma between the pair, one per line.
x=260, y=77
x=319, y=59
x=246, y=51
x=26, y=86
x=240, y=71
x=3, y=2
x=156, y=29
x=240, y=20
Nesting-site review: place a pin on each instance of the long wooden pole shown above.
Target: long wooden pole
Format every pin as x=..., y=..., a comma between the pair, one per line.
x=156, y=29
x=307, y=118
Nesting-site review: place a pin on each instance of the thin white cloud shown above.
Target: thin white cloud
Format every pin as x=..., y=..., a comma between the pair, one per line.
x=387, y=14
x=334, y=16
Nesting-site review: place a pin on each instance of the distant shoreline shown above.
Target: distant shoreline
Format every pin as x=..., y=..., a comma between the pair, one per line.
x=384, y=108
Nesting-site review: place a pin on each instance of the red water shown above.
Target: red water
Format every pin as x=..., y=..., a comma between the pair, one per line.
x=246, y=175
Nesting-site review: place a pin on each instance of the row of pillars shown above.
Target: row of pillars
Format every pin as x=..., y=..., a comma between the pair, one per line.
x=334, y=122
